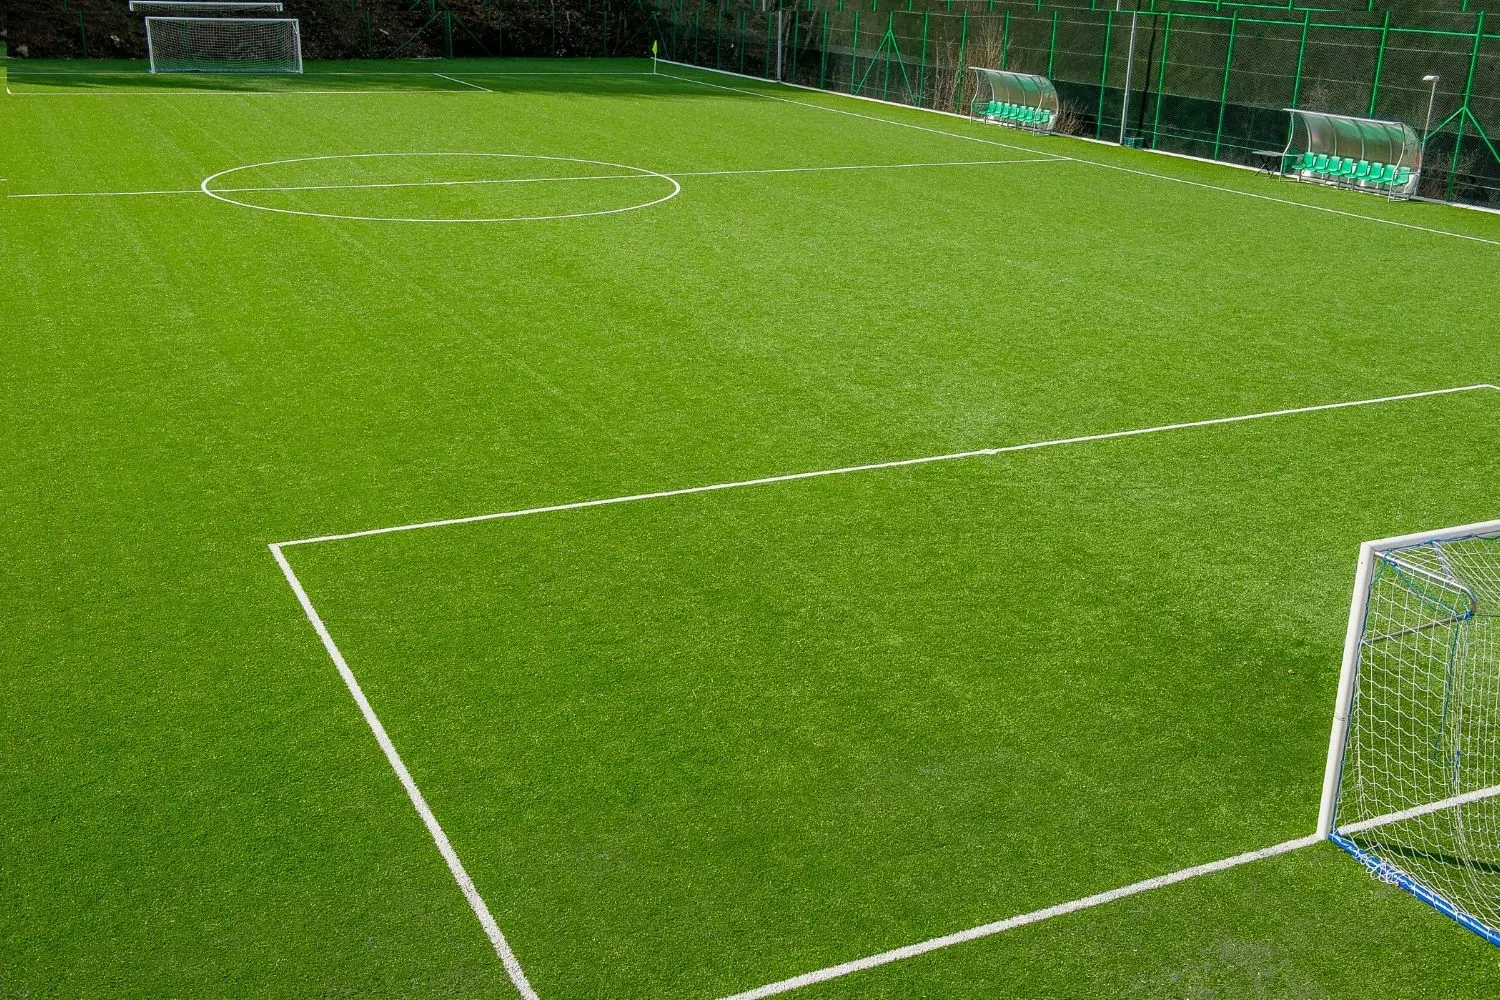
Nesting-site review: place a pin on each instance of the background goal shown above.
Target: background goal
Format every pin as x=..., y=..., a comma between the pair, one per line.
x=1412, y=787
x=224, y=45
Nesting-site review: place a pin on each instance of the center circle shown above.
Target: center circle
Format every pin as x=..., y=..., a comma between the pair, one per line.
x=441, y=187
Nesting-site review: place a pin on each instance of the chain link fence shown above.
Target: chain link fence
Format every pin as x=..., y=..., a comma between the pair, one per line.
x=1204, y=78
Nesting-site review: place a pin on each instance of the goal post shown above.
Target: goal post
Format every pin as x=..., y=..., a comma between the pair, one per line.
x=1412, y=784
x=224, y=44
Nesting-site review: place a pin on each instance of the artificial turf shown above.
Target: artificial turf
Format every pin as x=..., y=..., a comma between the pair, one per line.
x=690, y=745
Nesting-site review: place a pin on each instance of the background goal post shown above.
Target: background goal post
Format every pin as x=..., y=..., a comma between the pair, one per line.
x=1412, y=784
x=224, y=44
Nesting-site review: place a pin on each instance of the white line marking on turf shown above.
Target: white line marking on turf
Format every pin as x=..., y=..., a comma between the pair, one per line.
x=1287, y=201
x=215, y=193
x=456, y=866
x=1413, y=813
x=535, y=180
x=1034, y=917
x=101, y=194
x=855, y=114
x=896, y=464
x=1062, y=909
x=1076, y=159
x=466, y=83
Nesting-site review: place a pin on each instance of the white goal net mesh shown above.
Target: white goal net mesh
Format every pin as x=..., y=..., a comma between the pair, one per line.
x=173, y=8
x=224, y=45
x=1419, y=792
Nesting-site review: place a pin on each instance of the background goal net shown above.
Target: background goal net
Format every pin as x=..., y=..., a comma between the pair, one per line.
x=224, y=45
x=1413, y=782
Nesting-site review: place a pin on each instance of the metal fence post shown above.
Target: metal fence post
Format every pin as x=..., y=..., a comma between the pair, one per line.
x=773, y=18
x=922, y=65
x=1464, y=112
x=1109, y=25
x=823, y=58
x=1161, y=79
x=1385, y=31
x=854, y=52
x=1052, y=45
x=1234, y=23
x=1005, y=41
x=1301, y=58
x=890, y=36
x=963, y=54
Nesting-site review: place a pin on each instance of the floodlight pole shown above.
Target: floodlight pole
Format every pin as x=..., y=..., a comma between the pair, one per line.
x=1129, y=71
x=1431, y=78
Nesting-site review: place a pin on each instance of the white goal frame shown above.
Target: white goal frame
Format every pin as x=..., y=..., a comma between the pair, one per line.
x=285, y=24
x=1370, y=553
x=193, y=8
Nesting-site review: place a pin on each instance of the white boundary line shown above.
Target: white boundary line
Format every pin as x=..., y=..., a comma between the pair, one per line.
x=1034, y=917
x=528, y=180
x=445, y=848
x=895, y=464
x=1076, y=159
x=466, y=83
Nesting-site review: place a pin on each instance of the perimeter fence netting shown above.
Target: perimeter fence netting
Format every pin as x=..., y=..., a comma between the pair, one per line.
x=1206, y=79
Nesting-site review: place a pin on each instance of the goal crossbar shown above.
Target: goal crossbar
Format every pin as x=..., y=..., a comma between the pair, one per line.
x=188, y=8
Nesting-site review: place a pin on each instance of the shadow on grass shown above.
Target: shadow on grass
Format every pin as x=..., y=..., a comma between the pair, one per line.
x=576, y=76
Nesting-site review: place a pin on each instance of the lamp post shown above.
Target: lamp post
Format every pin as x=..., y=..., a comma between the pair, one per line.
x=1431, y=78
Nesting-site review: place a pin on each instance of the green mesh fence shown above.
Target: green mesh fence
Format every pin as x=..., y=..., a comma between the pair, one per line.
x=1203, y=77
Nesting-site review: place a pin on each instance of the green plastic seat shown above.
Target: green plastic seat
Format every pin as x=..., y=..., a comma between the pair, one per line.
x=1350, y=165
x=1376, y=167
x=1320, y=164
x=1403, y=176
x=1388, y=175
x=1361, y=170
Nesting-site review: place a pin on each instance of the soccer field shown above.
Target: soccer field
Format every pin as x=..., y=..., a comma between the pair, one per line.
x=554, y=529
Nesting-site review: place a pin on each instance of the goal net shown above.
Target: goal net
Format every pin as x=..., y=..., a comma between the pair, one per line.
x=224, y=45
x=1413, y=782
x=174, y=8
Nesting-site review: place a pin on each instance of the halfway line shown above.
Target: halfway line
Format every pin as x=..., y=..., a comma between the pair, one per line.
x=542, y=180
x=896, y=464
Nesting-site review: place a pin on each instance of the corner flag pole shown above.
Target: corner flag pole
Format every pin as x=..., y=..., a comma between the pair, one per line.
x=653, y=58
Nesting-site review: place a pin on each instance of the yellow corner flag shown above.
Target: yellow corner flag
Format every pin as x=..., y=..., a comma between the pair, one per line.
x=653, y=55
x=653, y=50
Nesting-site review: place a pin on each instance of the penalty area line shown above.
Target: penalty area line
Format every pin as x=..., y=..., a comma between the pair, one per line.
x=393, y=757
x=893, y=464
x=466, y=83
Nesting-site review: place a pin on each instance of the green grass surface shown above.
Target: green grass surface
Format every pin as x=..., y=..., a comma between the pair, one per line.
x=692, y=745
